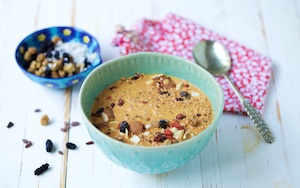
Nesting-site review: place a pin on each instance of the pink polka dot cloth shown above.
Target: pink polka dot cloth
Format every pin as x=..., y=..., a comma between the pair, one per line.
x=176, y=35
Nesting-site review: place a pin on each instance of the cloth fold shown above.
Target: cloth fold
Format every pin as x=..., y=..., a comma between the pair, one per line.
x=251, y=71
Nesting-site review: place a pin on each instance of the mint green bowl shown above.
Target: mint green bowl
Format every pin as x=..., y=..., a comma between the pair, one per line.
x=149, y=160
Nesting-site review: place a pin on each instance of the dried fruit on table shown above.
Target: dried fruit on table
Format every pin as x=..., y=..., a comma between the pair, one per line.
x=49, y=145
x=44, y=120
x=10, y=124
x=41, y=169
x=71, y=146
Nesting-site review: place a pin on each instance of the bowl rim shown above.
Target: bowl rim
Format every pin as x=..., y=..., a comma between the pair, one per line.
x=217, y=114
x=59, y=27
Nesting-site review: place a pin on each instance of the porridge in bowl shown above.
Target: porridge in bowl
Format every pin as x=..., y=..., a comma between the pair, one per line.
x=151, y=110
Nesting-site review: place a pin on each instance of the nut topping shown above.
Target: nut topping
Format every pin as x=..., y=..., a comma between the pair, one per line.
x=136, y=127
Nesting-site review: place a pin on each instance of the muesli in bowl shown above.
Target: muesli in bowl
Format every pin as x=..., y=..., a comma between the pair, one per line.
x=58, y=57
x=151, y=110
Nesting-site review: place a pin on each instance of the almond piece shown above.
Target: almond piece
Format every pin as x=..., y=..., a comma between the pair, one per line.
x=109, y=112
x=136, y=127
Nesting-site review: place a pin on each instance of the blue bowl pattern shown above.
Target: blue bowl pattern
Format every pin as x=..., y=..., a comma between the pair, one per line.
x=149, y=160
x=67, y=34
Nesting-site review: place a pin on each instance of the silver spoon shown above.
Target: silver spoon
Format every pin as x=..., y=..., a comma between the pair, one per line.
x=214, y=57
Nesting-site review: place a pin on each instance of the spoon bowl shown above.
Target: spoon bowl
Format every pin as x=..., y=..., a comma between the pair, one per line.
x=214, y=57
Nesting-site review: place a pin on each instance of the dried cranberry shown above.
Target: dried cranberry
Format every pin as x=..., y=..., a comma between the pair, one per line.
x=180, y=116
x=160, y=137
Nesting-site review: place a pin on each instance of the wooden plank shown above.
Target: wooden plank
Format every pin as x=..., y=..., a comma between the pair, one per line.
x=282, y=31
x=13, y=95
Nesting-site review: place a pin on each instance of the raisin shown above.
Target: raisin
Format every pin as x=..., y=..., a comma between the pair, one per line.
x=56, y=55
x=90, y=143
x=86, y=63
x=179, y=99
x=185, y=94
x=66, y=55
x=100, y=110
x=71, y=146
x=163, y=124
x=49, y=145
x=112, y=105
x=135, y=77
x=49, y=54
x=10, y=124
x=164, y=93
x=41, y=169
x=43, y=48
x=123, y=126
x=37, y=110
x=48, y=71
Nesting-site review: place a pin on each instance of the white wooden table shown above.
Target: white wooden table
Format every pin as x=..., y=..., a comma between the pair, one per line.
x=235, y=157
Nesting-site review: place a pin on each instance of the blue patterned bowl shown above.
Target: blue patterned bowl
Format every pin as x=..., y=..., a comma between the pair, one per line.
x=67, y=34
x=159, y=159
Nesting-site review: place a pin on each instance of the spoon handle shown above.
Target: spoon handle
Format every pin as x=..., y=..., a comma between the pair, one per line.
x=254, y=115
x=259, y=122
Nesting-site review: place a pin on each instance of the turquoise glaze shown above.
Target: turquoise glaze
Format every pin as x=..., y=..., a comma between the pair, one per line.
x=67, y=34
x=149, y=160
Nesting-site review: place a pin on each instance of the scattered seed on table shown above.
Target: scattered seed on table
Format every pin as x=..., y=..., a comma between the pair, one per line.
x=28, y=144
x=10, y=124
x=44, y=120
x=66, y=127
x=60, y=152
x=75, y=123
x=90, y=143
x=49, y=145
x=41, y=169
x=71, y=146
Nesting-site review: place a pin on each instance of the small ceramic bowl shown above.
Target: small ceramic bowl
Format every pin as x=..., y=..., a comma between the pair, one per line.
x=153, y=159
x=67, y=34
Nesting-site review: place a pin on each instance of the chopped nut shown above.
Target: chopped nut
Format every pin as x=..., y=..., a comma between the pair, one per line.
x=179, y=86
x=195, y=94
x=40, y=58
x=136, y=127
x=135, y=139
x=109, y=112
x=27, y=56
x=55, y=39
x=44, y=120
x=32, y=50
